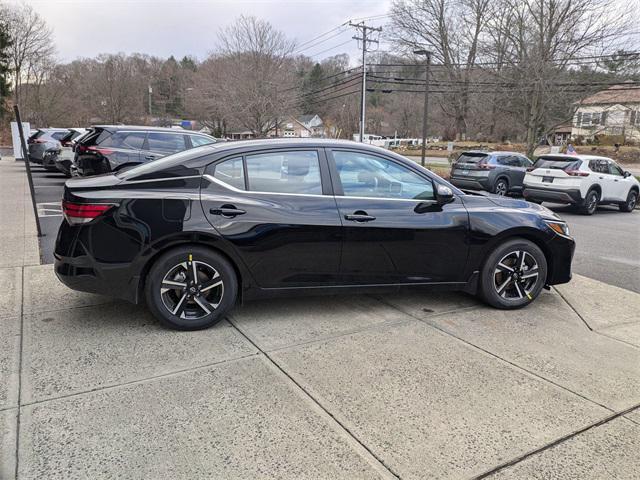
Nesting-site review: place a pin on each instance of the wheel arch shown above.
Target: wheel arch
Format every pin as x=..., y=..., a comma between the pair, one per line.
x=531, y=234
x=181, y=242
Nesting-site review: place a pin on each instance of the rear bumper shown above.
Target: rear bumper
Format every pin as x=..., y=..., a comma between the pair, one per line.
x=547, y=195
x=64, y=165
x=85, y=275
x=482, y=183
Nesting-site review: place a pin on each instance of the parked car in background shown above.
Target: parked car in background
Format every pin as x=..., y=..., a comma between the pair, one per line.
x=42, y=140
x=64, y=158
x=581, y=180
x=497, y=172
x=109, y=148
x=193, y=233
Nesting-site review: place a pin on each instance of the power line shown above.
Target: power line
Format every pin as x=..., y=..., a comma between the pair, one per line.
x=300, y=50
x=329, y=49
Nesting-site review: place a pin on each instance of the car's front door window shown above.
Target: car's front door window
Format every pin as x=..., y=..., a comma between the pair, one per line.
x=365, y=175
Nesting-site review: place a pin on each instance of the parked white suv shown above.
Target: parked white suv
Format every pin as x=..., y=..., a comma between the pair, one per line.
x=582, y=180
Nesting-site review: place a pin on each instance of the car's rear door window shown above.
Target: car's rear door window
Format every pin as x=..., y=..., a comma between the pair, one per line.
x=364, y=175
x=166, y=143
x=231, y=172
x=296, y=172
x=199, y=140
x=127, y=140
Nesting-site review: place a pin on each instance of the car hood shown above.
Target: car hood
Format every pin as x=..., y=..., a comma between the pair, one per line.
x=519, y=204
x=506, y=204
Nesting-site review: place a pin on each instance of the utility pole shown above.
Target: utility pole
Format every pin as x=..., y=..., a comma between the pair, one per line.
x=365, y=41
x=150, y=92
x=426, y=103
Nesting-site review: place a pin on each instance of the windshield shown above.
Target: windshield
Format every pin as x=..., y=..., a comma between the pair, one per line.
x=471, y=157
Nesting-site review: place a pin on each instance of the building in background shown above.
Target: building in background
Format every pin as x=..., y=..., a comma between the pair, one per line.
x=611, y=112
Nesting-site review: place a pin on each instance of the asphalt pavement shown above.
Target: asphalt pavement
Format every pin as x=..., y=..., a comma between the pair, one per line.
x=608, y=246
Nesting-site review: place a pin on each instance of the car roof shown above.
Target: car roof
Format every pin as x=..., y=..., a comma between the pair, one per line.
x=148, y=128
x=494, y=152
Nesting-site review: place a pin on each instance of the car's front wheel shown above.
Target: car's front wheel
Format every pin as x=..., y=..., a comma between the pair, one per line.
x=190, y=288
x=514, y=274
x=630, y=204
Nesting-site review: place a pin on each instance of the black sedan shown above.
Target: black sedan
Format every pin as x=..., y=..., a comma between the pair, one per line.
x=196, y=232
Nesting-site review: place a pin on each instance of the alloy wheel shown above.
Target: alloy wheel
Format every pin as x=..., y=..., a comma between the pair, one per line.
x=592, y=202
x=516, y=275
x=192, y=289
x=501, y=188
x=632, y=202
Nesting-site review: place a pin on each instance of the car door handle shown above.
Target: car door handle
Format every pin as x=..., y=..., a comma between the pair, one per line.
x=227, y=211
x=150, y=157
x=359, y=217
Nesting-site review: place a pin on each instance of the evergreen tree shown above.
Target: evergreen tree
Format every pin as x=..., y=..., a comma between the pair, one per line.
x=5, y=70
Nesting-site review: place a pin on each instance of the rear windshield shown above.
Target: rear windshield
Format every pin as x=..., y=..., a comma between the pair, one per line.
x=38, y=134
x=471, y=157
x=70, y=136
x=557, y=163
x=95, y=137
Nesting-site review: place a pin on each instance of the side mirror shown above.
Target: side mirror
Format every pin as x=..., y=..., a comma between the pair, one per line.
x=626, y=174
x=444, y=194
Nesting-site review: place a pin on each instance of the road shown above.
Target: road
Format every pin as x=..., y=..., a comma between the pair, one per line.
x=608, y=243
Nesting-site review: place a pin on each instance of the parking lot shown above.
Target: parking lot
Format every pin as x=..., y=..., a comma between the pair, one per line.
x=412, y=385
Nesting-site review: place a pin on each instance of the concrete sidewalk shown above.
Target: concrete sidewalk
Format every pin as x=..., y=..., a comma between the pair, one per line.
x=410, y=385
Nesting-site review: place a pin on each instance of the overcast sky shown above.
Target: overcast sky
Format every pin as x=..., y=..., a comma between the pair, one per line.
x=85, y=28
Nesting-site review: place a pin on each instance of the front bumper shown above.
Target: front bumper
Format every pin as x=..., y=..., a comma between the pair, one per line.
x=558, y=196
x=559, y=262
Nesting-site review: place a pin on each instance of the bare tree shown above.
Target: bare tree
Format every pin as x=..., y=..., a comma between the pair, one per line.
x=255, y=75
x=452, y=30
x=32, y=42
x=541, y=39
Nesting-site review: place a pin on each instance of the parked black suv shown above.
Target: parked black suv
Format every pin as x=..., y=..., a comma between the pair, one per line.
x=496, y=172
x=109, y=148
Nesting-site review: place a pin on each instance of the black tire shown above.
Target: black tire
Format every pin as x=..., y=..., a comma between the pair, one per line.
x=501, y=187
x=520, y=287
x=590, y=204
x=178, y=263
x=630, y=204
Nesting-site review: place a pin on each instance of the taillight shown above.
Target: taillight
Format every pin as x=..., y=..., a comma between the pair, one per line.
x=103, y=151
x=79, y=213
x=576, y=173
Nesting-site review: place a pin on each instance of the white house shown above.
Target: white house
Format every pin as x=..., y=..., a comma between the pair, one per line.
x=614, y=111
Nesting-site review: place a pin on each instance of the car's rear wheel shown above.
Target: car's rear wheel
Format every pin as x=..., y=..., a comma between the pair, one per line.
x=501, y=187
x=630, y=204
x=190, y=288
x=590, y=203
x=514, y=274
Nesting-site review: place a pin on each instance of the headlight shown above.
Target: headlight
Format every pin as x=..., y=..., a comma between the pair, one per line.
x=561, y=228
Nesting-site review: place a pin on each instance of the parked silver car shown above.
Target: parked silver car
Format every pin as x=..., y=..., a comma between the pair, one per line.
x=42, y=140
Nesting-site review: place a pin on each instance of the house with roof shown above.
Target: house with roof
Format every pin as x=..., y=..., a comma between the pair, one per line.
x=304, y=126
x=614, y=111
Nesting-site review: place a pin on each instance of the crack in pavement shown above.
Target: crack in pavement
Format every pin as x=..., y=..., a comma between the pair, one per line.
x=556, y=442
x=380, y=463
x=572, y=308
